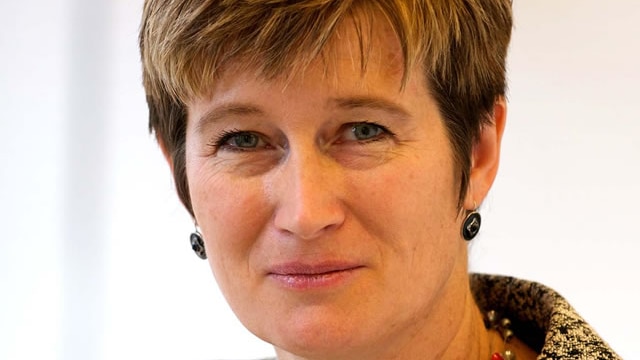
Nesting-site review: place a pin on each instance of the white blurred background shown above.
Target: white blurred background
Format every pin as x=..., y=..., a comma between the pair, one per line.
x=94, y=254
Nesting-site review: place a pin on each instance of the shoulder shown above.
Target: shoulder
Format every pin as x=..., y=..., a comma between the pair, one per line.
x=541, y=317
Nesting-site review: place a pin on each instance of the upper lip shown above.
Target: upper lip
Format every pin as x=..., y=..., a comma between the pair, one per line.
x=302, y=268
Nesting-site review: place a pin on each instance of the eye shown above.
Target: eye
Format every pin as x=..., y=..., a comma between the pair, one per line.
x=365, y=131
x=239, y=141
x=244, y=140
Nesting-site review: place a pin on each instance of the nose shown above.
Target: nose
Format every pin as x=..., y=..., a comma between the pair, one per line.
x=308, y=195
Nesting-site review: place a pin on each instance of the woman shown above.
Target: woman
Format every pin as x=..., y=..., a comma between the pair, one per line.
x=333, y=155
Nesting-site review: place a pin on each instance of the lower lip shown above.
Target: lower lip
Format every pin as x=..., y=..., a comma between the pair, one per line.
x=314, y=281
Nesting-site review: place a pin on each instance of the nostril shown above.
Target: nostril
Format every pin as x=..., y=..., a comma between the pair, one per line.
x=309, y=215
x=308, y=223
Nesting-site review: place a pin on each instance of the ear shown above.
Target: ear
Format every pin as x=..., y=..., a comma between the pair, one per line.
x=485, y=156
x=165, y=152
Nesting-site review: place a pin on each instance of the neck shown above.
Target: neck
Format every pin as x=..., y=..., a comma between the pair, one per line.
x=457, y=330
x=471, y=339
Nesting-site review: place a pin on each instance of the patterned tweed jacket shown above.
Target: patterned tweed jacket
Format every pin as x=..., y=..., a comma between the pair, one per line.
x=541, y=318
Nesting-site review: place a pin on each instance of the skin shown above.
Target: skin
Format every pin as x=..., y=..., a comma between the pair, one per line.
x=308, y=182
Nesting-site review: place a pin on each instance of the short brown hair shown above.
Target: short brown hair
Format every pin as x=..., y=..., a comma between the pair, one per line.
x=186, y=44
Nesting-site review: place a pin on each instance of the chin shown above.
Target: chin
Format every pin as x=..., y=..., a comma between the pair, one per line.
x=318, y=336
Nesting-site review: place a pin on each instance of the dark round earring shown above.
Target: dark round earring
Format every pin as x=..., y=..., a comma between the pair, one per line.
x=197, y=244
x=471, y=225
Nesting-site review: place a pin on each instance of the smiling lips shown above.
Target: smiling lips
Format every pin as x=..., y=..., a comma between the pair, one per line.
x=301, y=276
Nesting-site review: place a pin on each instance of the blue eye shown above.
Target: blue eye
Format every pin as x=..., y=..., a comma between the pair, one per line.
x=236, y=140
x=366, y=131
x=243, y=140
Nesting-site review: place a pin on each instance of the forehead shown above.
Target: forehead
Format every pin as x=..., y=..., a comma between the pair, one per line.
x=369, y=45
x=361, y=46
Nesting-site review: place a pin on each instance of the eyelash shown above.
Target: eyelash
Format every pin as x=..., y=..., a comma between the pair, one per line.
x=220, y=141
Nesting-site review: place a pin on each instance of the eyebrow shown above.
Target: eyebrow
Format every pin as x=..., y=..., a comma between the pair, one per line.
x=368, y=102
x=220, y=112
x=357, y=102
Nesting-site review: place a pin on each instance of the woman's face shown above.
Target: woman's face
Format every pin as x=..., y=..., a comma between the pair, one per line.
x=328, y=201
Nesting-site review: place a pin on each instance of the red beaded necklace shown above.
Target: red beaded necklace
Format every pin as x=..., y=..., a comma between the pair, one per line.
x=503, y=327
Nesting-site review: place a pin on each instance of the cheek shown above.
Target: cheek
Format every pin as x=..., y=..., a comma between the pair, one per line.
x=231, y=214
x=414, y=194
